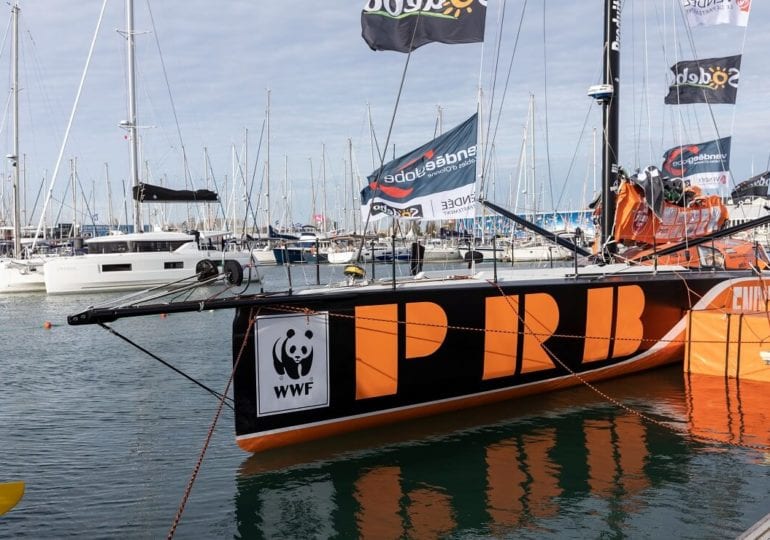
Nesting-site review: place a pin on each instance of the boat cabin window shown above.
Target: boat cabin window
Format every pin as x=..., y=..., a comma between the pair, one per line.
x=172, y=265
x=145, y=246
x=108, y=247
x=711, y=258
x=116, y=268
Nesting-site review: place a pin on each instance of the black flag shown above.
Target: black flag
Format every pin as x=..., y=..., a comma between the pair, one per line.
x=397, y=26
x=713, y=80
x=756, y=186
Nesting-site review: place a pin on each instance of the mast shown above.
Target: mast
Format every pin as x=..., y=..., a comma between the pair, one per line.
x=611, y=123
x=267, y=165
x=130, y=124
x=323, y=183
x=109, y=197
x=14, y=158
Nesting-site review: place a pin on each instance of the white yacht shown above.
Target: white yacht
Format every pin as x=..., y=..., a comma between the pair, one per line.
x=138, y=261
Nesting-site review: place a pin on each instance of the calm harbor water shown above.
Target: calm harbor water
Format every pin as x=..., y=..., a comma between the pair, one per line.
x=106, y=439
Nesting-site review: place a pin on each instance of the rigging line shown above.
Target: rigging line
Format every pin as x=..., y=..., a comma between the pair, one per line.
x=545, y=108
x=210, y=434
x=732, y=121
x=85, y=202
x=222, y=397
x=69, y=125
x=387, y=139
x=574, y=158
x=188, y=176
x=508, y=76
x=216, y=186
x=255, y=208
x=487, y=143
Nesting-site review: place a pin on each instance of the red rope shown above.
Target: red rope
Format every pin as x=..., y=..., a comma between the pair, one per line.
x=210, y=434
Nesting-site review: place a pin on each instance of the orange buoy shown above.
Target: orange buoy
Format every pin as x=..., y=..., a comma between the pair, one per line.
x=47, y=325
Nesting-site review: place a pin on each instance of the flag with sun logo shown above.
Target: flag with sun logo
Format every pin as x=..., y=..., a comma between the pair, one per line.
x=712, y=80
x=404, y=26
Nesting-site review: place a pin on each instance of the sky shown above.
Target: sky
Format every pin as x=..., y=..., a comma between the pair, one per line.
x=204, y=70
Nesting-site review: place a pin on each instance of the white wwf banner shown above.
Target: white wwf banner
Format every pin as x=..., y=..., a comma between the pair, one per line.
x=292, y=356
x=712, y=12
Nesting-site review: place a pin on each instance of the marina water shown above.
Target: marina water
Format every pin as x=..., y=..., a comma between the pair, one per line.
x=106, y=439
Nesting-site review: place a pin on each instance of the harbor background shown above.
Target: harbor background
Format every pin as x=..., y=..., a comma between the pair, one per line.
x=106, y=439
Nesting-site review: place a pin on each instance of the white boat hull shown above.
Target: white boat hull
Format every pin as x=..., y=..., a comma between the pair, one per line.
x=130, y=271
x=21, y=276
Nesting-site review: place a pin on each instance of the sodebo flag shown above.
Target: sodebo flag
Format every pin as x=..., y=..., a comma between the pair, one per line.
x=435, y=181
x=388, y=25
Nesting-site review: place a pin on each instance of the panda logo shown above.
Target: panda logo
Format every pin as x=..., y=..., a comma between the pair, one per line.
x=293, y=352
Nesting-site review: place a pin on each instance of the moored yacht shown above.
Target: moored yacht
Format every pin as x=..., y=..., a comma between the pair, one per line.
x=138, y=261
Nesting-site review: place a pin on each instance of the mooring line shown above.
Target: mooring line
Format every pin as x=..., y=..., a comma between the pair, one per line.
x=210, y=434
x=168, y=365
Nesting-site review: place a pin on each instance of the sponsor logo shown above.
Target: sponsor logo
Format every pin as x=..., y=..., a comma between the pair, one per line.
x=457, y=204
x=682, y=158
x=414, y=211
x=712, y=78
x=743, y=5
x=429, y=165
x=292, y=363
x=453, y=9
x=750, y=299
x=293, y=354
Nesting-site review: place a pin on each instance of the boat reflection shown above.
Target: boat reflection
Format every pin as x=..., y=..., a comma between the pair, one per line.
x=731, y=411
x=491, y=471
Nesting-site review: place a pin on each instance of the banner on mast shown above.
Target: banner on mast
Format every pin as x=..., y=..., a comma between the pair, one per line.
x=405, y=26
x=711, y=80
x=435, y=181
x=709, y=13
x=706, y=164
x=756, y=186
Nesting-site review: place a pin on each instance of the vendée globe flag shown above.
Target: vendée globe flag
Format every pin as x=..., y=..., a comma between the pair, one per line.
x=706, y=164
x=435, y=181
x=708, y=13
x=388, y=25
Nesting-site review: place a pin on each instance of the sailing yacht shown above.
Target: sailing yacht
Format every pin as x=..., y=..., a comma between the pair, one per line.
x=18, y=274
x=142, y=260
x=321, y=361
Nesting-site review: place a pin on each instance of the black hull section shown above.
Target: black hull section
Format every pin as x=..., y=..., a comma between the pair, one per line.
x=387, y=354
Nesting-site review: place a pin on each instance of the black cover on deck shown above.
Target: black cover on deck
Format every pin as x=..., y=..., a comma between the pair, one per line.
x=149, y=193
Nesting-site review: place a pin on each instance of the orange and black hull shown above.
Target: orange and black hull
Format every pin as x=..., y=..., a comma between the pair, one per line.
x=323, y=363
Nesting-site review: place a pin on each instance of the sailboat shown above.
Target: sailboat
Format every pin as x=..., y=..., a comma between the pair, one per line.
x=20, y=273
x=322, y=361
x=140, y=260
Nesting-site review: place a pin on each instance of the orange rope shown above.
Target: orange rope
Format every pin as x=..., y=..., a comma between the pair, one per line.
x=207, y=441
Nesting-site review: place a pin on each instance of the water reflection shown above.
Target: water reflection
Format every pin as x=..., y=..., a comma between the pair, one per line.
x=732, y=411
x=497, y=471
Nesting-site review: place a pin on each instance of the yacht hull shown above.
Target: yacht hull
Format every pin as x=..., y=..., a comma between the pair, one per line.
x=21, y=276
x=128, y=271
x=376, y=355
